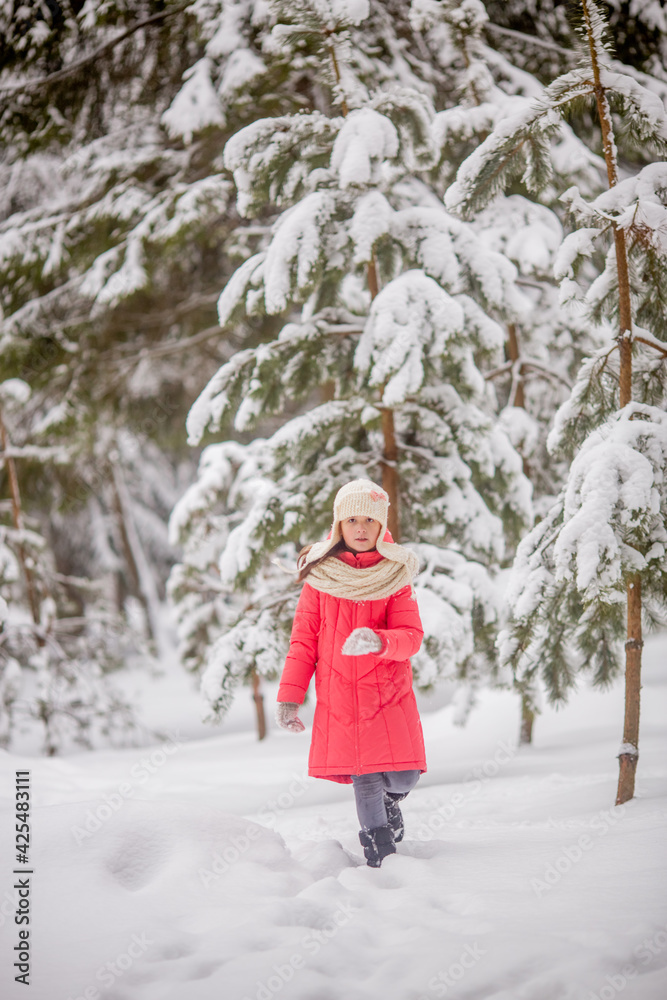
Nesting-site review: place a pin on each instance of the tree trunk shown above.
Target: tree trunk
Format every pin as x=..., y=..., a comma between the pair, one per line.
x=527, y=719
x=517, y=394
x=629, y=754
x=334, y=59
x=136, y=558
x=517, y=397
x=130, y=564
x=390, y=472
x=633, y=647
x=258, y=698
x=17, y=517
x=625, y=320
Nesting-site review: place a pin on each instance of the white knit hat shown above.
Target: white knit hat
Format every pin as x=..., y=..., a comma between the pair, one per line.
x=363, y=498
x=360, y=498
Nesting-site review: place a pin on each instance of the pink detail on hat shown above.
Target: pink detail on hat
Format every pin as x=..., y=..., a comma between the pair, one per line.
x=375, y=496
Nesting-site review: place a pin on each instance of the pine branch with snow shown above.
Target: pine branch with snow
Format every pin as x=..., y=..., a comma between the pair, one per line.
x=567, y=591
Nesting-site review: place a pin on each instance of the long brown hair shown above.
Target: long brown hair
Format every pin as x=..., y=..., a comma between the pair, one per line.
x=304, y=568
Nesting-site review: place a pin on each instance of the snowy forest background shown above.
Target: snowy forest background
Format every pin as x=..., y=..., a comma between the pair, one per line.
x=252, y=249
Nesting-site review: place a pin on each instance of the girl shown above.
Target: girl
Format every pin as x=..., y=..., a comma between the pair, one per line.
x=355, y=627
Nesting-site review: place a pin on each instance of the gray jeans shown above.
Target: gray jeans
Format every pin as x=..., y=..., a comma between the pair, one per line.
x=369, y=792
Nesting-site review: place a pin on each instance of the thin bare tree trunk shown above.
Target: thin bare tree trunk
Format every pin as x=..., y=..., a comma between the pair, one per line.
x=390, y=472
x=17, y=517
x=258, y=698
x=629, y=753
x=127, y=548
x=136, y=557
x=518, y=397
x=625, y=320
x=334, y=59
x=527, y=719
x=633, y=646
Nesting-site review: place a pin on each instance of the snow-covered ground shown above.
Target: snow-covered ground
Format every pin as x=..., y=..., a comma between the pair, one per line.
x=210, y=867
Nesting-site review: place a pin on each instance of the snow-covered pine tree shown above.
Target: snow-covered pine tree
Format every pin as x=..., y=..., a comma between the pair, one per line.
x=583, y=576
x=110, y=234
x=387, y=305
x=115, y=225
x=113, y=221
x=95, y=124
x=94, y=211
x=544, y=350
x=61, y=636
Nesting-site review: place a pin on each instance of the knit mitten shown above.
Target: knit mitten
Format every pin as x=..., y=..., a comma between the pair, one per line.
x=361, y=641
x=287, y=718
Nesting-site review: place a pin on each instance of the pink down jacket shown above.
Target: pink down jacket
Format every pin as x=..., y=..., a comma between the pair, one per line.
x=366, y=718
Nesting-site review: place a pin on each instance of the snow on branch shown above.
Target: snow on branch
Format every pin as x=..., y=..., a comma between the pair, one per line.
x=298, y=251
x=325, y=421
x=212, y=405
x=517, y=148
x=615, y=504
x=196, y=106
x=411, y=114
x=364, y=142
x=264, y=379
x=94, y=56
x=371, y=221
x=215, y=476
x=235, y=294
x=410, y=321
x=637, y=204
x=442, y=246
x=644, y=111
x=591, y=400
x=273, y=159
x=579, y=244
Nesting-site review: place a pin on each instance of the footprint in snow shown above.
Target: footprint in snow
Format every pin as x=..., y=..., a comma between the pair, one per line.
x=202, y=970
x=137, y=859
x=172, y=951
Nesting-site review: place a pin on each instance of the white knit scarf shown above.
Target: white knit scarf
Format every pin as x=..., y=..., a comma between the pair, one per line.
x=370, y=583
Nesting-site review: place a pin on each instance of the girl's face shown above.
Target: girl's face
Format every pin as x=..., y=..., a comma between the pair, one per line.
x=360, y=533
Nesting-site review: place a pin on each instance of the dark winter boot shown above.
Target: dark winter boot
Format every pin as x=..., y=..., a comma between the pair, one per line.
x=377, y=843
x=394, y=814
